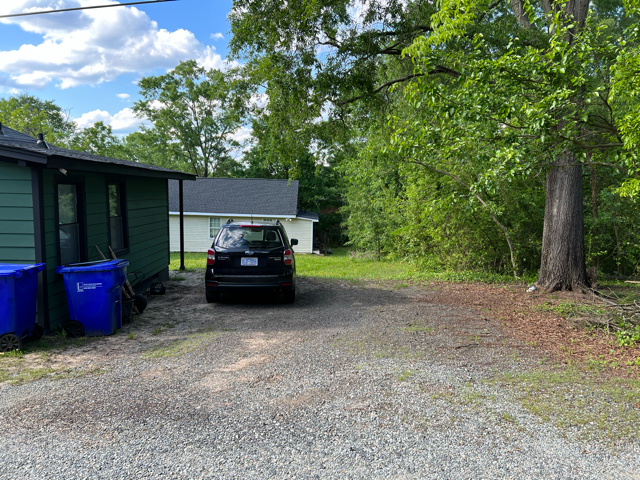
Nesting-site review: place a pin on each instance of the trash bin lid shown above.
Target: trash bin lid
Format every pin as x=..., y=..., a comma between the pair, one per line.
x=16, y=270
x=100, y=266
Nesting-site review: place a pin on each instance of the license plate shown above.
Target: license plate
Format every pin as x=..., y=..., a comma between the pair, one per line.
x=248, y=262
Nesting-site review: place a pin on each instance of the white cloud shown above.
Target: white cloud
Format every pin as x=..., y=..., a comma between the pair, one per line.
x=123, y=96
x=122, y=122
x=217, y=36
x=93, y=46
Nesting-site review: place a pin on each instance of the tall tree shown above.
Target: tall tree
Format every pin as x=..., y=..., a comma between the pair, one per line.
x=547, y=90
x=99, y=140
x=199, y=110
x=31, y=115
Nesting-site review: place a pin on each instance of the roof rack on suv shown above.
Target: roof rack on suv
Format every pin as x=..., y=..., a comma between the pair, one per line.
x=229, y=221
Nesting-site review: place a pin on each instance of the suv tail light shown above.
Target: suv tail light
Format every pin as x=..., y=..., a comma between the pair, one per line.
x=288, y=257
x=211, y=257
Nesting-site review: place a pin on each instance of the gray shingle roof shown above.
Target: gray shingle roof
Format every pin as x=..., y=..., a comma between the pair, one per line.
x=15, y=139
x=308, y=215
x=242, y=196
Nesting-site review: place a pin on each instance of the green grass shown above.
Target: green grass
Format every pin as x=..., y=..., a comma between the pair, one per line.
x=416, y=329
x=594, y=406
x=405, y=375
x=566, y=309
x=192, y=261
x=342, y=265
x=182, y=347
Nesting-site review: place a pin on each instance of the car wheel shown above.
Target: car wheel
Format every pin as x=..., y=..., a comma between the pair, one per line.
x=213, y=297
x=290, y=297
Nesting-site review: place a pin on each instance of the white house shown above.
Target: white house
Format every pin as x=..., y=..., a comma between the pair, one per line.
x=210, y=202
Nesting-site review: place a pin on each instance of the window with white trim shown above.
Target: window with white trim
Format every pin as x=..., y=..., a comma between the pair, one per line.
x=214, y=226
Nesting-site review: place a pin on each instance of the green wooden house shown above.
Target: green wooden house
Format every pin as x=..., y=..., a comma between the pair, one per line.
x=57, y=204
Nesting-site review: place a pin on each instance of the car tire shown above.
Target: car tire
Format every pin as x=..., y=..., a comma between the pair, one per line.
x=289, y=297
x=213, y=297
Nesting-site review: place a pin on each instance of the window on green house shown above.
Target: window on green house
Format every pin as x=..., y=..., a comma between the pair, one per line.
x=116, y=217
x=214, y=226
x=68, y=224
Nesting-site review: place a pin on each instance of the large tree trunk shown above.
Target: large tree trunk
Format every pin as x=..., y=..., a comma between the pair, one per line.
x=563, y=260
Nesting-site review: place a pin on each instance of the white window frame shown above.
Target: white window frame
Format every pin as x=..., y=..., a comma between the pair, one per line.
x=212, y=228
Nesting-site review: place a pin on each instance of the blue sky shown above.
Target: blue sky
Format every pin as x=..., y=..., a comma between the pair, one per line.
x=89, y=61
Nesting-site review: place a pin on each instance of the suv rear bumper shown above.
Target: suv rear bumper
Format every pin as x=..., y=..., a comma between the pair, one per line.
x=236, y=283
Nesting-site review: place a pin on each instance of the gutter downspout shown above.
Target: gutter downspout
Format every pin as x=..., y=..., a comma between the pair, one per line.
x=40, y=246
x=181, y=195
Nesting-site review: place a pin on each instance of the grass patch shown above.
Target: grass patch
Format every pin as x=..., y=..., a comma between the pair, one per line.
x=416, y=329
x=405, y=375
x=192, y=261
x=571, y=309
x=343, y=265
x=594, y=406
x=182, y=347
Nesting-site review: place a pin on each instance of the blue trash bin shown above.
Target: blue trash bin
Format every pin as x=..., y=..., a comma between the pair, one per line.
x=94, y=296
x=18, y=303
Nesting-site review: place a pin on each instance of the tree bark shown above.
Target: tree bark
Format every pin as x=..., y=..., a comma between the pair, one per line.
x=563, y=260
x=594, y=208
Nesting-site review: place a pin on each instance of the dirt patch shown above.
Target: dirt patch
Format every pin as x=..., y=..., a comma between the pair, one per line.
x=529, y=318
x=246, y=362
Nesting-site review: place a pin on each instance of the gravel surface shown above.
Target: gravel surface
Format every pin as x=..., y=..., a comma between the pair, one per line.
x=348, y=382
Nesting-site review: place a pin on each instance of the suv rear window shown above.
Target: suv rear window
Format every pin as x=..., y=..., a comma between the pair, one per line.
x=245, y=237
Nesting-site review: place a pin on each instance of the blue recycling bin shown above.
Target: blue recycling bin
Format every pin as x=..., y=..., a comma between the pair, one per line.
x=18, y=303
x=94, y=296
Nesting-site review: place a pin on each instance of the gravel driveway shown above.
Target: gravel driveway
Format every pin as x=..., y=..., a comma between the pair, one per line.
x=350, y=381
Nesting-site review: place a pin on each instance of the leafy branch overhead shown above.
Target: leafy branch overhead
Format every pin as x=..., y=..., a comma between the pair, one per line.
x=199, y=109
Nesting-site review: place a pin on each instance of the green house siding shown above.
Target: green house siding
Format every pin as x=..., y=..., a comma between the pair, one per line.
x=147, y=217
x=17, y=241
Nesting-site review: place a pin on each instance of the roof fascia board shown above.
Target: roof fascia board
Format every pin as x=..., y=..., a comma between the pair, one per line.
x=199, y=214
x=72, y=164
x=26, y=156
x=202, y=214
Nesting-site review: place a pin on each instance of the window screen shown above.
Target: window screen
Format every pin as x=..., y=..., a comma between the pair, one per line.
x=116, y=218
x=214, y=226
x=68, y=224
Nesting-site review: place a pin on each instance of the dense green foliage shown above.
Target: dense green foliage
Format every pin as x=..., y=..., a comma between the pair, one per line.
x=446, y=119
x=427, y=129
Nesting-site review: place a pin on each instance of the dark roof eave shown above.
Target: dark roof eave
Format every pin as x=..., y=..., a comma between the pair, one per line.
x=25, y=155
x=71, y=164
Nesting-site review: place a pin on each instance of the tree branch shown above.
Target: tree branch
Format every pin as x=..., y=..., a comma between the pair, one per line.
x=437, y=70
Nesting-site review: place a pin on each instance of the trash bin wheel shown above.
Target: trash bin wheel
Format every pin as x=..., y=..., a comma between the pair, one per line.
x=9, y=342
x=140, y=301
x=37, y=333
x=74, y=329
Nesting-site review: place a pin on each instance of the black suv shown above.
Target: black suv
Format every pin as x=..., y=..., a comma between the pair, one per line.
x=251, y=256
